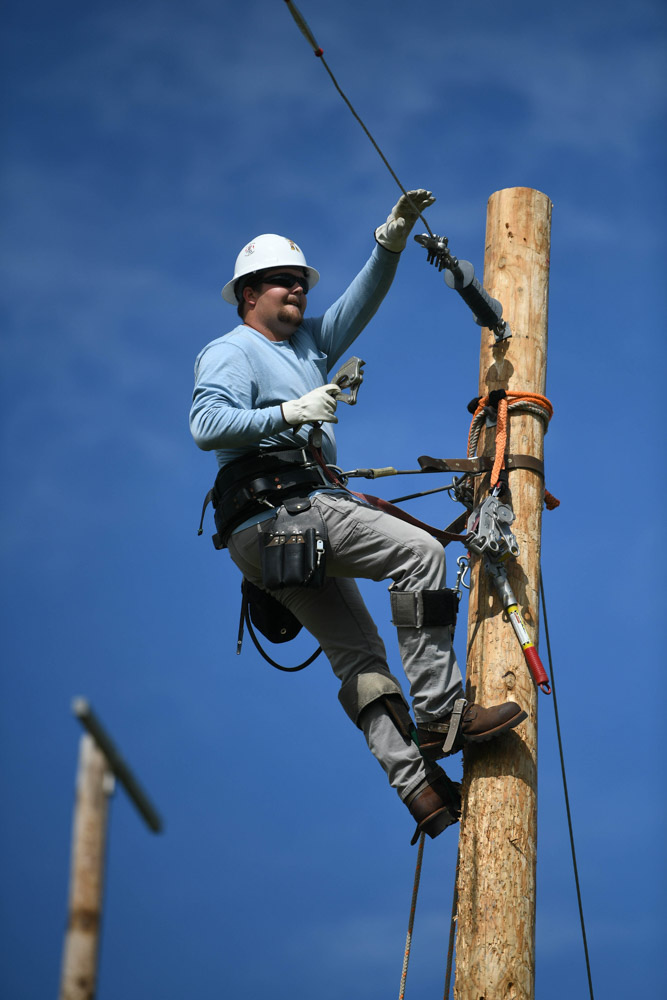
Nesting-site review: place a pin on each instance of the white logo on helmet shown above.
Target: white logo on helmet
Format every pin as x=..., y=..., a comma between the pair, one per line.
x=249, y=249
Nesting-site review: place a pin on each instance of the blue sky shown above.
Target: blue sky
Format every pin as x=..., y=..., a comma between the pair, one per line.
x=145, y=143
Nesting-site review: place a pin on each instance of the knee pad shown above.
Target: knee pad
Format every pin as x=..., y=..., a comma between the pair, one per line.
x=416, y=608
x=365, y=688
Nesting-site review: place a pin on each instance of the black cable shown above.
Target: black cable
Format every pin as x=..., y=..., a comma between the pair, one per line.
x=258, y=647
x=317, y=49
x=452, y=927
x=377, y=148
x=567, y=797
x=424, y=493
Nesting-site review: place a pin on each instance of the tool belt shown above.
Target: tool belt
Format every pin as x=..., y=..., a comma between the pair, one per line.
x=253, y=483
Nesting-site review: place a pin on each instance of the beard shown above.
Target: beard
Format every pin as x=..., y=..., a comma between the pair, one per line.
x=290, y=314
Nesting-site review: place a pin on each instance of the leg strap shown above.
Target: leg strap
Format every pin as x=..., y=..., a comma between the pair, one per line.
x=400, y=716
x=416, y=608
x=365, y=688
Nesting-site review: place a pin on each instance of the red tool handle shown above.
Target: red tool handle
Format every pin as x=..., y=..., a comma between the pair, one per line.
x=537, y=669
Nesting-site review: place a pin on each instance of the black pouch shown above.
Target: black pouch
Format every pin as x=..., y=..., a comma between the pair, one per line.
x=292, y=546
x=272, y=619
x=292, y=560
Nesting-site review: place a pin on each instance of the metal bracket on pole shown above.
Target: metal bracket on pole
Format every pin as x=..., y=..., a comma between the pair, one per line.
x=90, y=722
x=460, y=275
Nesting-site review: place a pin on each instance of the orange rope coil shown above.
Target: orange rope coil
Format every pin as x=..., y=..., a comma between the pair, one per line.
x=531, y=402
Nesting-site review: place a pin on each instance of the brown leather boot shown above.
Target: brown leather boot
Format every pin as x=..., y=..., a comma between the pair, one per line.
x=476, y=725
x=435, y=805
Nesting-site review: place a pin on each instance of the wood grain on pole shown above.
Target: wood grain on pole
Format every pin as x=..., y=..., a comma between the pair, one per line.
x=79, y=972
x=495, y=949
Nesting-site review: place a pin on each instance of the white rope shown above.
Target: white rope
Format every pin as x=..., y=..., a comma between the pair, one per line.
x=413, y=906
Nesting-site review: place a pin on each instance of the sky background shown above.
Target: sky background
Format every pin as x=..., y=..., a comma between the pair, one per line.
x=145, y=144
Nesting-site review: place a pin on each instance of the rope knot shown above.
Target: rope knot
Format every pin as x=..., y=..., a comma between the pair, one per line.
x=494, y=397
x=507, y=401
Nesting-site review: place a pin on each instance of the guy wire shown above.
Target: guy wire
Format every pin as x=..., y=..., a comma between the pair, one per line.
x=319, y=52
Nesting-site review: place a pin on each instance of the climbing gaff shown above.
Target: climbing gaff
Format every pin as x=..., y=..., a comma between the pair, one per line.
x=460, y=275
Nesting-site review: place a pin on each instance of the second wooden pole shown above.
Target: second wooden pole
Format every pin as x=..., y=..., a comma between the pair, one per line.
x=94, y=785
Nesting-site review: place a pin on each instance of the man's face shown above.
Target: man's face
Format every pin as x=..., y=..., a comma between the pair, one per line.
x=274, y=308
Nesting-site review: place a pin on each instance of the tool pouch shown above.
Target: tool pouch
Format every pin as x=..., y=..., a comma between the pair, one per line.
x=293, y=549
x=294, y=560
x=272, y=619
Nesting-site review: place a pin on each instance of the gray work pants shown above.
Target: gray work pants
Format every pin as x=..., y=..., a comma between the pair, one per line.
x=367, y=543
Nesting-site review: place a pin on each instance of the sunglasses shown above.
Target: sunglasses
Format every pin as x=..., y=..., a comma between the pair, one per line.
x=286, y=281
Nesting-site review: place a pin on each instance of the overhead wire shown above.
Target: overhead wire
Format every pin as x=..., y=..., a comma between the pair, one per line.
x=319, y=52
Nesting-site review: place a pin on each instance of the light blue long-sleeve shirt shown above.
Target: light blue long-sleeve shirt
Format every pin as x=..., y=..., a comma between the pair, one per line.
x=242, y=378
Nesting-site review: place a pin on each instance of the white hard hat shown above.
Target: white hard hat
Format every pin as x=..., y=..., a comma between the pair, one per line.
x=265, y=251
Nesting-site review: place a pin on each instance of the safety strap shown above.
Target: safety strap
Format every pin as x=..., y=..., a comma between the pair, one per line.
x=443, y=535
x=450, y=533
x=427, y=463
x=480, y=463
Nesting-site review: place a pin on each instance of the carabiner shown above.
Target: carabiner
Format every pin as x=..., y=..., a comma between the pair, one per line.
x=463, y=563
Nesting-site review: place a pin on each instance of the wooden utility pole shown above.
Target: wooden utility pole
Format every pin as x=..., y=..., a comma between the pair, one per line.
x=495, y=948
x=99, y=765
x=94, y=784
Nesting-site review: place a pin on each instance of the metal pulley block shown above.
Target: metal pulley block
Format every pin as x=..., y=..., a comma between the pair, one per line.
x=488, y=529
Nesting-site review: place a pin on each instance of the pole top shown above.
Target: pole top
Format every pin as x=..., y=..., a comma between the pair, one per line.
x=90, y=722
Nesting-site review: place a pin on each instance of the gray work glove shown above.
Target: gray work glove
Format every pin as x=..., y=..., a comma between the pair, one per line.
x=317, y=405
x=393, y=234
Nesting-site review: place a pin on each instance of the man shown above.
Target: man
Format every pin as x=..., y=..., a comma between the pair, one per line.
x=259, y=392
